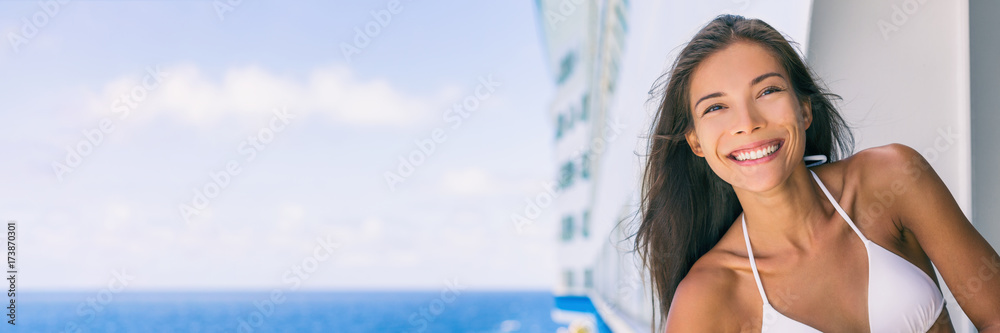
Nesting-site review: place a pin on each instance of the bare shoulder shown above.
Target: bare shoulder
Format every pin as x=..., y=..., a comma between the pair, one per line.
x=703, y=300
x=884, y=164
x=903, y=181
x=873, y=169
x=883, y=181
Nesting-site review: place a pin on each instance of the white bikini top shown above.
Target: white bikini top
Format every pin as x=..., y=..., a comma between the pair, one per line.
x=901, y=297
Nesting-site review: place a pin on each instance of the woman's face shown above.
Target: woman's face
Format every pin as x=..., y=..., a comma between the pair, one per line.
x=748, y=123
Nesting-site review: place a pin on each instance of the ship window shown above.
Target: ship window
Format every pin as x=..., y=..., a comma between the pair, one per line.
x=566, y=174
x=567, y=228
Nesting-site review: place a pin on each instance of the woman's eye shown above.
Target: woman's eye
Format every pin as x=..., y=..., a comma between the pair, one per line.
x=770, y=90
x=713, y=108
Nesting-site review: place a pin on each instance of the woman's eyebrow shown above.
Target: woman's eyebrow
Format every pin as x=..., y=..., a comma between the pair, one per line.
x=712, y=95
x=758, y=79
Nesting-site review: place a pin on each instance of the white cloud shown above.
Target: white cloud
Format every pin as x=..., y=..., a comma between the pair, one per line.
x=291, y=216
x=371, y=228
x=478, y=181
x=118, y=214
x=192, y=96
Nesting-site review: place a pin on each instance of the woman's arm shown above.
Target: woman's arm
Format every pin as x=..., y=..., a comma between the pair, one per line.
x=966, y=261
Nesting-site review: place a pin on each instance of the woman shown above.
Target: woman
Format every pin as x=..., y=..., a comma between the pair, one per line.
x=739, y=234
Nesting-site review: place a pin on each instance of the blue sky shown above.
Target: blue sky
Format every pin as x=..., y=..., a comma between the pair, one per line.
x=322, y=175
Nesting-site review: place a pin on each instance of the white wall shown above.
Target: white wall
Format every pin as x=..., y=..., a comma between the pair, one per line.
x=902, y=67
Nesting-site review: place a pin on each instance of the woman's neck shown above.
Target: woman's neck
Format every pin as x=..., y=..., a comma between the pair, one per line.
x=787, y=217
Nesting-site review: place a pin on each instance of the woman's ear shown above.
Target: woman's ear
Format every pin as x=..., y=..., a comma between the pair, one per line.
x=692, y=141
x=807, y=114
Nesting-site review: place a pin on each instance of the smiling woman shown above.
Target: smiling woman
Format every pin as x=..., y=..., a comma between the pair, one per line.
x=739, y=115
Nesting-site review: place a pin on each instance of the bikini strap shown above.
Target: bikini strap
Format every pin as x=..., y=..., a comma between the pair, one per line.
x=814, y=160
x=753, y=263
x=837, y=206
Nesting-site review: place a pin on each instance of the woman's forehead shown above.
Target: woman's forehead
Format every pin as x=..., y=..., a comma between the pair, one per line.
x=733, y=67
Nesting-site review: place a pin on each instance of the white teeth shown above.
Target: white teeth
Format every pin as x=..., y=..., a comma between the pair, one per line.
x=753, y=155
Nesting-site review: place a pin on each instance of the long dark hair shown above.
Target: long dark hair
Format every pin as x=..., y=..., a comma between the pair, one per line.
x=685, y=206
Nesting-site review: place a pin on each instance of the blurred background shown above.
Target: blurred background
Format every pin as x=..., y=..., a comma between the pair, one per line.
x=257, y=166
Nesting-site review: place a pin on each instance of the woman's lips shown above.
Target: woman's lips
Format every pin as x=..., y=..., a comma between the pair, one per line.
x=758, y=154
x=756, y=145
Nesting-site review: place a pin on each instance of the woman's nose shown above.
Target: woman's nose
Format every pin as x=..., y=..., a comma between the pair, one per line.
x=748, y=120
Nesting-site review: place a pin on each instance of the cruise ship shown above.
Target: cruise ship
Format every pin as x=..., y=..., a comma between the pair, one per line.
x=885, y=58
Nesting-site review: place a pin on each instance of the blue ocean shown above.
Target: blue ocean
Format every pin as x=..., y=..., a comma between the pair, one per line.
x=381, y=311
